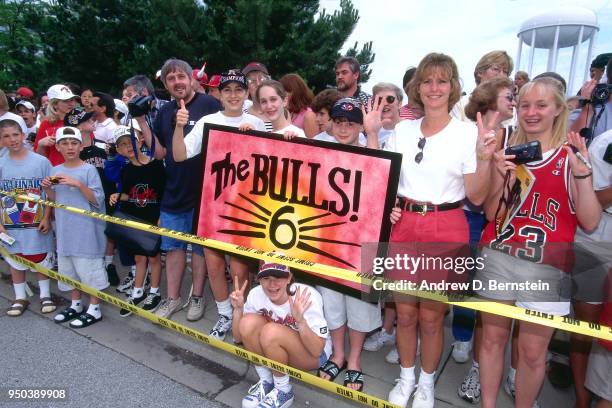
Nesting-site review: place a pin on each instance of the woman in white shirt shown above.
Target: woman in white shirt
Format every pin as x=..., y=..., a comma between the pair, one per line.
x=444, y=161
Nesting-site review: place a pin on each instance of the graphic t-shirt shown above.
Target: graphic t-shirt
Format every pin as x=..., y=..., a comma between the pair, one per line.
x=21, y=218
x=97, y=157
x=257, y=302
x=145, y=186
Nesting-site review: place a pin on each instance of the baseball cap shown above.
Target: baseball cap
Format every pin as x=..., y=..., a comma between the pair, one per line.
x=26, y=104
x=214, y=81
x=61, y=92
x=25, y=92
x=347, y=108
x=233, y=75
x=68, y=132
x=202, y=79
x=255, y=66
x=119, y=132
x=121, y=106
x=273, y=269
x=77, y=116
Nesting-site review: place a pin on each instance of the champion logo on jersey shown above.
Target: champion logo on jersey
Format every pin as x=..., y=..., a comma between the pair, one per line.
x=558, y=166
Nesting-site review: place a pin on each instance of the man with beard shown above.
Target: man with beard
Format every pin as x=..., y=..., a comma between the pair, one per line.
x=348, y=72
x=182, y=180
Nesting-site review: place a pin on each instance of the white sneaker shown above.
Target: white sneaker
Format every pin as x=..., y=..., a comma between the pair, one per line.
x=168, y=307
x=222, y=327
x=378, y=340
x=423, y=397
x=461, y=351
x=392, y=357
x=257, y=393
x=195, y=310
x=469, y=389
x=400, y=394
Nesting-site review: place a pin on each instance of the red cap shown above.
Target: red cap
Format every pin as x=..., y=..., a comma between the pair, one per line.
x=203, y=79
x=25, y=92
x=214, y=81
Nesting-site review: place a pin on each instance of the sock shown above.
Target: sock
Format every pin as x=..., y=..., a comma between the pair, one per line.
x=133, y=271
x=264, y=374
x=20, y=290
x=137, y=292
x=45, y=288
x=154, y=290
x=108, y=259
x=512, y=374
x=475, y=364
x=427, y=380
x=94, y=310
x=407, y=374
x=76, y=305
x=225, y=308
x=282, y=383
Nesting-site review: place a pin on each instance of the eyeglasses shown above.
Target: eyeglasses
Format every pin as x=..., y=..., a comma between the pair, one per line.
x=419, y=155
x=509, y=98
x=258, y=79
x=498, y=70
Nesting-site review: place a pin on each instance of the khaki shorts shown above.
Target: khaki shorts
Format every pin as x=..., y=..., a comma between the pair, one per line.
x=339, y=309
x=88, y=271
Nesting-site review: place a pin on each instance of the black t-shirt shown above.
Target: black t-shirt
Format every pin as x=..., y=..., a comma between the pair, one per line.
x=182, y=179
x=145, y=187
x=96, y=157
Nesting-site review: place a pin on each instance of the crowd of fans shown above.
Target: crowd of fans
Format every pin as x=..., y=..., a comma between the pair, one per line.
x=141, y=154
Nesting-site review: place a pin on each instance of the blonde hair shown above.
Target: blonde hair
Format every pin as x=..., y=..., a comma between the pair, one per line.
x=497, y=57
x=52, y=115
x=4, y=105
x=559, y=130
x=431, y=62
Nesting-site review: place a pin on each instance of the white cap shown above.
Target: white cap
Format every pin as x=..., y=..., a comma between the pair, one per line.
x=61, y=92
x=121, y=106
x=68, y=132
x=28, y=105
x=122, y=131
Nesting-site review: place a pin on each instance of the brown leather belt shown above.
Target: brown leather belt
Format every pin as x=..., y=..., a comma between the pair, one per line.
x=425, y=208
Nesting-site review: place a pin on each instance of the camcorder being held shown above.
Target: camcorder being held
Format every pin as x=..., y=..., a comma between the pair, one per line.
x=525, y=153
x=140, y=106
x=601, y=94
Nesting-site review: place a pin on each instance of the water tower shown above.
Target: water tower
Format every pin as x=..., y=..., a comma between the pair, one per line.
x=559, y=28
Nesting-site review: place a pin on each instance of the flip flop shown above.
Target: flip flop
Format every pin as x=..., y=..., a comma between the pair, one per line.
x=18, y=307
x=84, y=320
x=47, y=305
x=354, y=377
x=65, y=315
x=330, y=368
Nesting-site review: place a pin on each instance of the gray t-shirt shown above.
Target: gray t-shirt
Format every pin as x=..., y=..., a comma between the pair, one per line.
x=78, y=235
x=21, y=218
x=602, y=124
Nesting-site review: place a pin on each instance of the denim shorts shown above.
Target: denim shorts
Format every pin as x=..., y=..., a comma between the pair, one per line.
x=181, y=222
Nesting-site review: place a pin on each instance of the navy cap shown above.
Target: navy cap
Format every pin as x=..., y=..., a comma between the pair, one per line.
x=348, y=108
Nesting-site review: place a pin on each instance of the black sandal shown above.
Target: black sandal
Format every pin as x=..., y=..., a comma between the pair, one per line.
x=65, y=315
x=85, y=320
x=354, y=377
x=330, y=368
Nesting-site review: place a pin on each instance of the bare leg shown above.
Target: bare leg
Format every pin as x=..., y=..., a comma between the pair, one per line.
x=580, y=347
x=215, y=263
x=198, y=271
x=175, y=267
x=156, y=267
x=431, y=330
x=406, y=338
x=496, y=331
x=337, y=337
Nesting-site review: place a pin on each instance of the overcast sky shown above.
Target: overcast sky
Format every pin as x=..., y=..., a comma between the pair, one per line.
x=404, y=31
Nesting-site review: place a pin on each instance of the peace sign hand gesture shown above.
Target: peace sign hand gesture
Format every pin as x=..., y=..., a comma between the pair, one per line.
x=486, y=142
x=299, y=304
x=237, y=296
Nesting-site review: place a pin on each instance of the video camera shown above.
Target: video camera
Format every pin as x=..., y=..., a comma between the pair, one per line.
x=140, y=106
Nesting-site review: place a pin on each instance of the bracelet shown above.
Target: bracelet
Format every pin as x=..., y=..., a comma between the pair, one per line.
x=583, y=176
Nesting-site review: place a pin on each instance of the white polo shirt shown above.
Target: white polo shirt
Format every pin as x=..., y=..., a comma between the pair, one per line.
x=193, y=140
x=447, y=156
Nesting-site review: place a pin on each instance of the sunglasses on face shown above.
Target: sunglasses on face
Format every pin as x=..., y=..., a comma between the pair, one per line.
x=419, y=155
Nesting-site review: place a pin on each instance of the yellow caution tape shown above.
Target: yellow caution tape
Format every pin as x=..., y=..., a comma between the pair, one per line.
x=304, y=376
x=558, y=322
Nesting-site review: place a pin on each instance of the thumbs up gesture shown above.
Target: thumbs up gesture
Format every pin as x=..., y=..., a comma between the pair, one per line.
x=182, y=115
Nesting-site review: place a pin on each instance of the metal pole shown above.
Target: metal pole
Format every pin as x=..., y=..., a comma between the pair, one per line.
x=554, y=52
x=575, y=54
x=587, y=66
x=533, y=37
x=517, y=66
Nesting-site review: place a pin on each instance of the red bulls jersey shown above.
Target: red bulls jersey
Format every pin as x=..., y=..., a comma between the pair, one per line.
x=543, y=229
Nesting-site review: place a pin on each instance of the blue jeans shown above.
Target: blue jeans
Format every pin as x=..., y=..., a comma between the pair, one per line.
x=465, y=319
x=181, y=222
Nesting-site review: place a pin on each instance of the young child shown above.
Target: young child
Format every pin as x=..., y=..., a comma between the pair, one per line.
x=22, y=171
x=96, y=156
x=342, y=310
x=77, y=184
x=27, y=111
x=142, y=185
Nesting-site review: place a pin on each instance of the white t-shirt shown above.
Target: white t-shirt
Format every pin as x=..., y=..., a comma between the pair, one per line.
x=447, y=156
x=602, y=170
x=16, y=118
x=383, y=136
x=193, y=140
x=104, y=131
x=326, y=137
x=257, y=302
x=293, y=128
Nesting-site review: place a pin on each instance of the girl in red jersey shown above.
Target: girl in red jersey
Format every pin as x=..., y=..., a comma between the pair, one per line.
x=535, y=245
